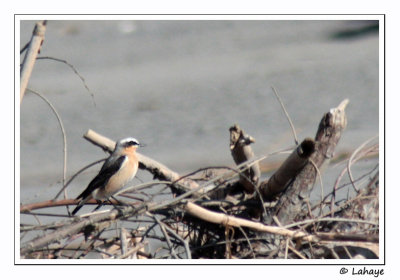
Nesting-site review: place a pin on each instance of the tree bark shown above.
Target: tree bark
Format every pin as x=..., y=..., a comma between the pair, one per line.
x=292, y=203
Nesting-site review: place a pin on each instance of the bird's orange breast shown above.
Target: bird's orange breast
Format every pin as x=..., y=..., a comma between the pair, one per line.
x=120, y=178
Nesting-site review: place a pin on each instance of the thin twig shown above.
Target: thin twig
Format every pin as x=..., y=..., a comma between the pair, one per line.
x=297, y=252
x=248, y=242
x=184, y=242
x=161, y=225
x=75, y=71
x=63, y=134
x=296, y=141
x=286, y=248
x=76, y=174
x=343, y=220
x=141, y=186
x=351, y=160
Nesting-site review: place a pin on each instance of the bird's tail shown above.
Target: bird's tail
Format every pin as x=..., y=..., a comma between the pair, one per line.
x=80, y=204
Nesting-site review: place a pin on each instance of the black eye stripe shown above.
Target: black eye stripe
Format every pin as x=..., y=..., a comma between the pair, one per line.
x=131, y=143
x=128, y=142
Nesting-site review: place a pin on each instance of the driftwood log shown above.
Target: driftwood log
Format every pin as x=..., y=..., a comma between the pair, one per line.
x=293, y=201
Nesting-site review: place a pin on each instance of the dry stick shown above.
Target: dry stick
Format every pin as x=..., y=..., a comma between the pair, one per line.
x=291, y=241
x=227, y=220
x=288, y=170
x=133, y=250
x=124, y=240
x=141, y=186
x=63, y=134
x=241, y=151
x=328, y=135
x=163, y=230
x=185, y=243
x=317, y=220
x=297, y=253
x=43, y=204
x=347, y=252
x=337, y=236
x=167, y=228
x=286, y=248
x=31, y=54
x=248, y=242
x=26, y=208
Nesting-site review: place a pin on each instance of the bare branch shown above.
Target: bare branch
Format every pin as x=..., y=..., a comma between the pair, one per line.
x=31, y=54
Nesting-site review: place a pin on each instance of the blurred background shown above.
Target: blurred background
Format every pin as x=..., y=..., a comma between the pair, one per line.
x=178, y=86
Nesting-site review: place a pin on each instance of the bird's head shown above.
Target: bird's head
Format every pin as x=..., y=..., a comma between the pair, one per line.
x=129, y=143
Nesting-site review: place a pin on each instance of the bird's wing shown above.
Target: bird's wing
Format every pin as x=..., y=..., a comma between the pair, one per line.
x=104, y=175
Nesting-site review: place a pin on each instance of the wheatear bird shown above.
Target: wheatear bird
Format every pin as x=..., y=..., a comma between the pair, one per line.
x=115, y=173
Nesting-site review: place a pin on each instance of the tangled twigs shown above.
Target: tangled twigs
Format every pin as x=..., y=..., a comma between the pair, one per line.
x=78, y=224
x=228, y=220
x=208, y=214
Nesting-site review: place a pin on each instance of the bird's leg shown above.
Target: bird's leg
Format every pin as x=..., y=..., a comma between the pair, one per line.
x=100, y=203
x=119, y=202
